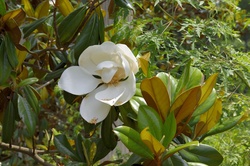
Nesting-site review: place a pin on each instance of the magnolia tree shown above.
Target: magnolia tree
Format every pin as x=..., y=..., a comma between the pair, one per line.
x=65, y=81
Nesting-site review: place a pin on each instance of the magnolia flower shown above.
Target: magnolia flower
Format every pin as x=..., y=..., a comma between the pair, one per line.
x=106, y=74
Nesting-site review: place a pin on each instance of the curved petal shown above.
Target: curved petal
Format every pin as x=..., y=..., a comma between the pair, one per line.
x=130, y=86
x=92, y=110
x=78, y=82
x=110, y=95
x=93, y=55
x=127, y=53
x=107, y=70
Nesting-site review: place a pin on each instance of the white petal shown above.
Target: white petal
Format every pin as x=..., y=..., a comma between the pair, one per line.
x=92, y=110
x=93, y=55
x=77, y=81
x=127, y=53
x=110, y=95
x=130, y=86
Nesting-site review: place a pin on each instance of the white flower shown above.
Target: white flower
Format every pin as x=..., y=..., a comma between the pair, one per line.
x=106, y=74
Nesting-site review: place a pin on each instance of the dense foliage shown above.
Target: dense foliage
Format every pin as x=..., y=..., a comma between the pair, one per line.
x=191, y=103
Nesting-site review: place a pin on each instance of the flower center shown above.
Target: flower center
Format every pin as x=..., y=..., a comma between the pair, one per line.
x=118, y=76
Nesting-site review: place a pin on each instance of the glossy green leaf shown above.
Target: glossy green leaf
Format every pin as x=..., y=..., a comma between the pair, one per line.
x=128, y=116
x=54, y=75
x=29, y=28
x=169, y=129
x=4, y=65
x=190, y=78
x=79, y=148
x=88, y=36
x=136, y=102
x=224, y=126
x=170, y=83
x=27, y=115
x=124, y=4
x=31, y=98
x=28, y=81
x=2, y=7
x=202, y=108
x=11, y=51
x=62, y=144
x=101, y=150
x=107, y=134
x=148, y=117
x=175, y=160
x=131, y=139
x=186, y=103
x=28, y=8
x=180, y=147
x=8, y=126
x=133, y=159
x=202, y=154
x=71, y=24
x=156, y=95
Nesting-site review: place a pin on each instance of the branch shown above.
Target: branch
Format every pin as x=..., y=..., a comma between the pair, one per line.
x=24, y=150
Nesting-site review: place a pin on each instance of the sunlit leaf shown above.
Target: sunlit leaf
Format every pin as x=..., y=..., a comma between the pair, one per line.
x=209, y=119
x=42, y=10
x=208, y=87
x=27, y=115
x=132, y=140
x=156, y=95
x=13, y=18
x=28, y=8
x=124, y=4
x=64, y=6
x=148, y=118
x=136, y=102
x=202, y=154
x=186, y=103
x=170, y=83
x=144, y=63
x=28, y=81
x=152, y=143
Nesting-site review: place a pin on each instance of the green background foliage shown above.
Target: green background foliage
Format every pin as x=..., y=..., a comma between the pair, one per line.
x=39, y=39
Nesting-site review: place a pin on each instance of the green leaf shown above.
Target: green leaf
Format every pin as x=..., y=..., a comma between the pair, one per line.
x=4, y=65
x=101, y=150
x=29, y=28
x=136, y=102
x=8, y=127
x=107, y=134
x=180, y=147
x=170, y=83
x=27, y=115
x=28, y=81
x=133, y=159
x=202, y=154
x=2, y=8
x=31, y=98
x=148, y=117
x=175, y=160
x=71, y=24
x=88, y=36
x=62, y=144
x=131, y=139
x=190, y=78
x=224, y=126
x=124, y=4
x=169, y=129
x=11, y=51
x=54, y=74
x=79, y=148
